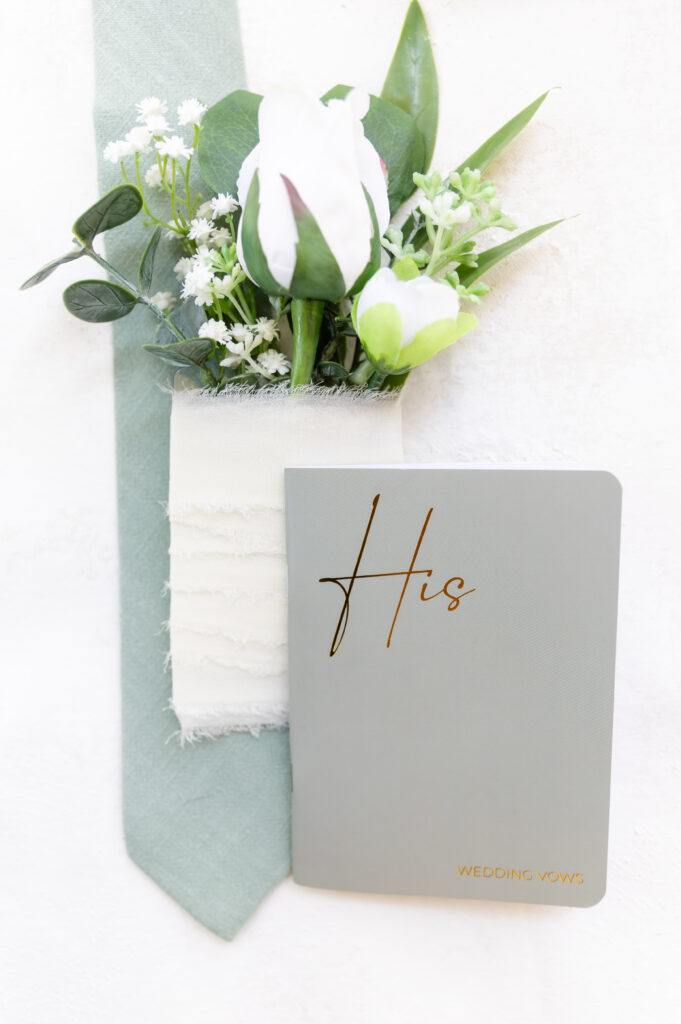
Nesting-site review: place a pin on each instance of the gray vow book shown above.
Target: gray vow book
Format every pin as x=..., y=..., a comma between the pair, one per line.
x=451, y=655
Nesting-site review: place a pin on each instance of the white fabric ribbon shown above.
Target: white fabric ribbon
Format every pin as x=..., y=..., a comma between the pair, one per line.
x=228, y=622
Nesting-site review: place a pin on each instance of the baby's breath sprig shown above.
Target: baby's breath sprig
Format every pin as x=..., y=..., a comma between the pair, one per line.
x=171, y=170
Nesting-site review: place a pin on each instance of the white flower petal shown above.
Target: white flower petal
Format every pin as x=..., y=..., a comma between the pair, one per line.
x=419, y=302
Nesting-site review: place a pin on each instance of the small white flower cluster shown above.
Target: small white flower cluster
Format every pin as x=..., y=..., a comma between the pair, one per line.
x=240, y=341
x=203, y=229
x=154, y=127
x=202, y=278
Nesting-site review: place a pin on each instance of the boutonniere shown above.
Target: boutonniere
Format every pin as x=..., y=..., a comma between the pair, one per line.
x=313, y=244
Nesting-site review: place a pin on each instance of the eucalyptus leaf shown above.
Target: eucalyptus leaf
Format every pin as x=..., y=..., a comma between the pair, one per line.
x=119, y=205
x=44, y=272
x=331, y=369
x=243, y=380
x=491, y=149
x=411, y=82
x=146, y=267
x=396, y=138
x=490, y=257
x=192, y=352
x=98, y=301
x=187, y=318
x=229, y=131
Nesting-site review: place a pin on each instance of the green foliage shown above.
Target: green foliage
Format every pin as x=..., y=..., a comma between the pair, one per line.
x=489, y=257
x=187, y=318
x=44, y=272
x=490, y=150
x=411, y=82
x=146, y=267
x=229, y=131
x=374, y=253
x=331, y=370
x=119, y=205
x=98, y=301
x=192, y=352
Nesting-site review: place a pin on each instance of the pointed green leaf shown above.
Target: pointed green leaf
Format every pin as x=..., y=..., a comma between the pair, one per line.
x=119, y=205
x=375, y=252
x=396, y=138
x=146, y=267
x=98, y=301
x=229, y=131
x=411, y=82
x=489, y=257
x=491, y=149
x=192, y=352
x=44, y=272
x=317, y=274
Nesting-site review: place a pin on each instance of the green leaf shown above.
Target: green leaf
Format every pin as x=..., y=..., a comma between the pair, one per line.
x=192, y=352
x=44, y=272
x=229, y=131
x=491, y=149
x=396, y=137
x=411, y=82
x=254, y=257
x=317, y=274
x=187, y=318
x=374, y=253
x=146, y=267
x=333, y=370
x=489, y=257
x=98, y=301
x=119, y=205
x=243, y=380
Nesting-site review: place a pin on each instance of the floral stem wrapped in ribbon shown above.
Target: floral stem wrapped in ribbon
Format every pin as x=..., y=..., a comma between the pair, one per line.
x=297, y=258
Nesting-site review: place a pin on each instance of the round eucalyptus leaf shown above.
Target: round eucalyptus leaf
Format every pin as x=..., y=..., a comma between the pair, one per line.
x=98, y=301
x=119, y=205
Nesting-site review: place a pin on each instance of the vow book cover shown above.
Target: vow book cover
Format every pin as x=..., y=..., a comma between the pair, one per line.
x=451, y=663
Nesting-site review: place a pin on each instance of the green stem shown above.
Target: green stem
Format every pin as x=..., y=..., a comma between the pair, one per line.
x=306, y=320
x=364, y=371
x=158, y=313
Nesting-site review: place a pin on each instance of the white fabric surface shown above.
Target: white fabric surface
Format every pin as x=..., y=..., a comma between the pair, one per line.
x=227, y=539
x=577, y=357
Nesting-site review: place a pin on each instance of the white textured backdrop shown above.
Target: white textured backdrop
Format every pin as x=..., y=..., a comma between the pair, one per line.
x=577, y=358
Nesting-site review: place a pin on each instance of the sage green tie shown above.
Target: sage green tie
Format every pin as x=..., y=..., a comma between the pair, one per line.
x=209, y=823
